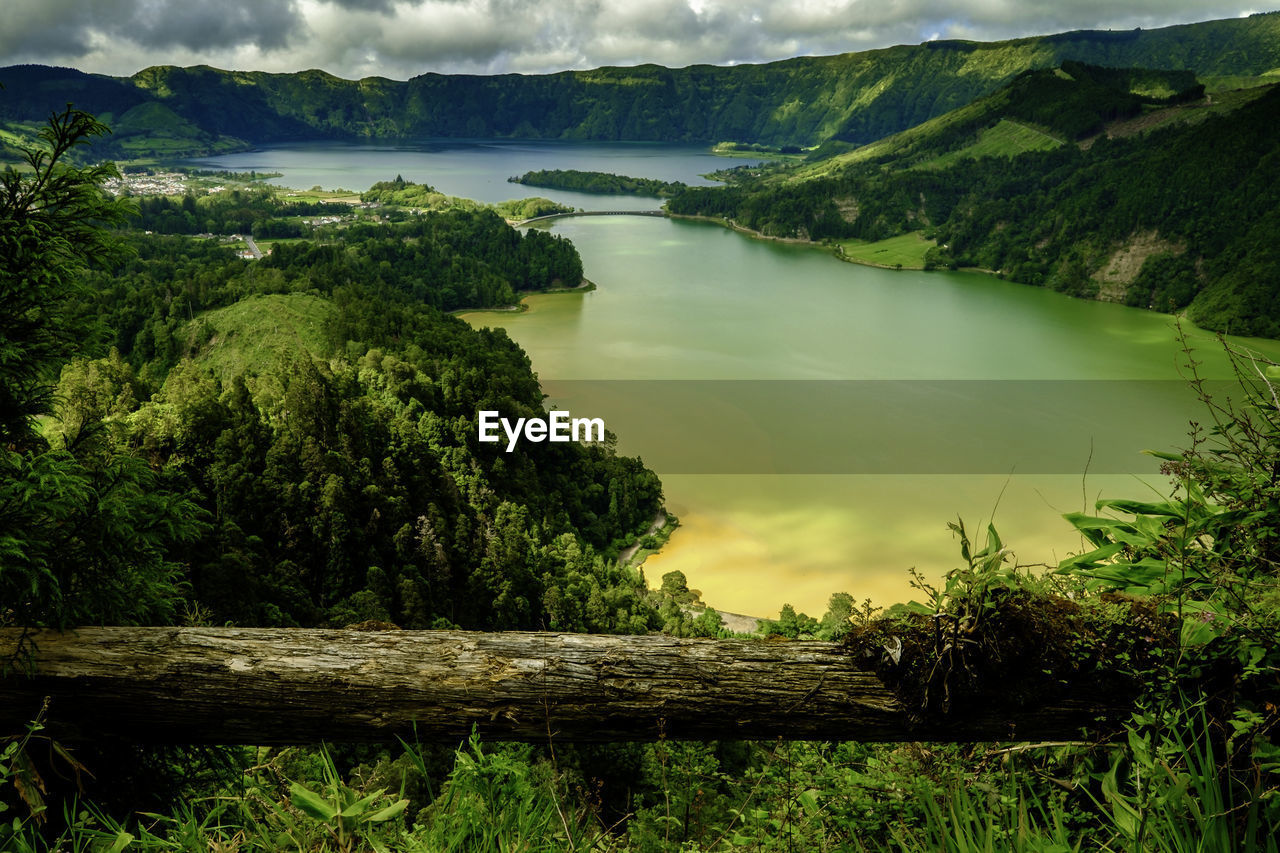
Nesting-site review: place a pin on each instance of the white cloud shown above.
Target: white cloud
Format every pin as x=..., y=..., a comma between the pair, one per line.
x=402, y=38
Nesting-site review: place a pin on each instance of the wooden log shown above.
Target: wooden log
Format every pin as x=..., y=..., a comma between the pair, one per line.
x=282, y=686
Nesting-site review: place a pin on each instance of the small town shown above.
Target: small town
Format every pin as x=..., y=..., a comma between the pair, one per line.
x=155, y=183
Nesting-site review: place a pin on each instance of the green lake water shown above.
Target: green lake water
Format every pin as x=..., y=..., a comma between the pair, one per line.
x=816, y=423
x=680, y=301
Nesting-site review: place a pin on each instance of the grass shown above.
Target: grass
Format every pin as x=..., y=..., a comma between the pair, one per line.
x=898, y=145
x=659, y=538
x=1228, y=82
x=19, y=134
x=267, y=244
x=343, y=196
x=1007, y=138
x=14, y=137
x=906, y=251
x=260, y=335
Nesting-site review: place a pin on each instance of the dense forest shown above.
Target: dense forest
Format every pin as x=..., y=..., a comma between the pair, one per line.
x=1195, y=199
x=168, y=111
x=339, y=480
x=598, y=182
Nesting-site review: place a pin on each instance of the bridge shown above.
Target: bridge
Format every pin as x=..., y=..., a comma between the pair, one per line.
x=551, y=216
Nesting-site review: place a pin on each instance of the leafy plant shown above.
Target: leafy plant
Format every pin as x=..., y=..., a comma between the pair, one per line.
x=1167, y=792
x=1016, y=820
x=347, y=816
x=501, y=800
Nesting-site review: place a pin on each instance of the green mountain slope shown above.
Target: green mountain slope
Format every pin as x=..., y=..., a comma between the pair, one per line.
x=259, y=335
x=1182, y=216
x=1039, y=110
x=324, y=416
x=141, y=125
x=854, y=98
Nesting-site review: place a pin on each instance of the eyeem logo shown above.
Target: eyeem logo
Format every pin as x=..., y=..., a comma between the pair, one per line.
x=559, y=426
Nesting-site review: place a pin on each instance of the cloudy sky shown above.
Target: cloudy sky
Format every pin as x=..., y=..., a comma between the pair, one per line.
x=401, y=38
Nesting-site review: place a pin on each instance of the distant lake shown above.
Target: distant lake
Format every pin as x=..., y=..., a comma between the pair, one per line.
x=478, y=169
x=845, y=414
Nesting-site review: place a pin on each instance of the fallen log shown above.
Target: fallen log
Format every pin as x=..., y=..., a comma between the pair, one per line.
x=282, y=686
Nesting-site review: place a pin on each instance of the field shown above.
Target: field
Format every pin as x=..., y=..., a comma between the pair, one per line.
x=259, y=334
x=906, y=251
x=1006, y=139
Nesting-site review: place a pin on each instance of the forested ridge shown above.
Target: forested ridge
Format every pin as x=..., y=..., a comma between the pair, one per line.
x=337, y=481
x=852, y=98
x=605, y=183
x=1192, y=204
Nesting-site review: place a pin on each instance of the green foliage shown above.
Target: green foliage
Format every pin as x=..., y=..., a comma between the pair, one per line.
x=342, y=476
x=346, y=815
x=454, y=259
x=1079, y=99
x=1010, y=818
x=152, y=129
x=676, y=585
x=404, y=193
x=86, y=535
x=20, y=783
x=528, y=208
x=1201, y=756
x=790, y=624
x=90, y=542
x=604, y=183
x=258, y=336
x=1213, y=547
x=257, y=211
x=51, y=218
x=329, y=430
x=1168, y=791
x=499, y=800
x=1200, y=192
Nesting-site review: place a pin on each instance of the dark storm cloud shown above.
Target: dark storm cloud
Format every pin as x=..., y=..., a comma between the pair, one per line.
x=365, y=5
x=401, y=38
x=71, y=29
x=226, y=23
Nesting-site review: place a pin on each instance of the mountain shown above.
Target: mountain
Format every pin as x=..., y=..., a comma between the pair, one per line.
x=1039, y=109
x=1089, y=181
x=852, y=98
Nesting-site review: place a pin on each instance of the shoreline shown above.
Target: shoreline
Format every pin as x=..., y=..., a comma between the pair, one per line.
x=742, y=229
x=586, y=286
x=841, y=256
x=836, y=251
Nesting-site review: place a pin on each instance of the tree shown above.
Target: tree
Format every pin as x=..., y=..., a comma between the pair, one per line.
x=51, y=230
x=835, y=622
x=81, y=539
x=675, y=584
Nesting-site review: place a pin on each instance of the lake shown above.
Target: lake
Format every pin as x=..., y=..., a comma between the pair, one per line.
x=816, y=423
x=478, y=169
